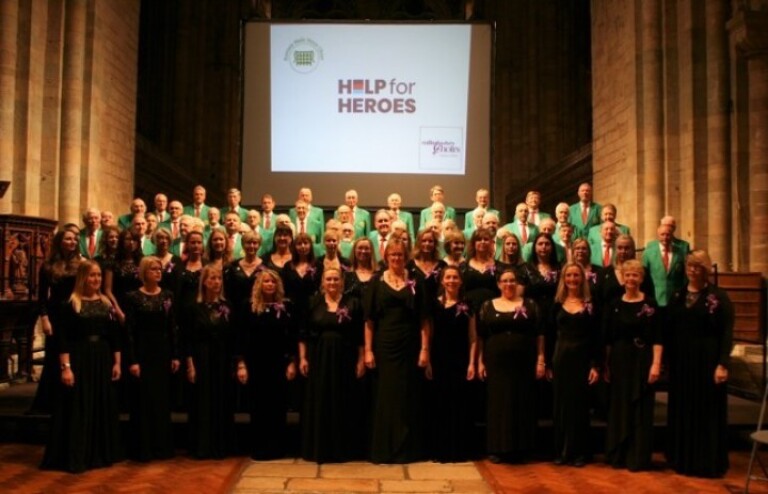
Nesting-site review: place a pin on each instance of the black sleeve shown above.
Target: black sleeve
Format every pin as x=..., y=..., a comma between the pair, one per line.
x=129, y=351
x=725, y=319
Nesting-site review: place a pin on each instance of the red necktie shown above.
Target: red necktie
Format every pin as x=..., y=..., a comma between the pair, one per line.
x=197, y=211
x=302, y=229
x=665, y=258
x=175, y=228
x=382, y=244
x=584, y=215
x=266, y=222
x=91, y=244
x=523, y=233
x=607, y=256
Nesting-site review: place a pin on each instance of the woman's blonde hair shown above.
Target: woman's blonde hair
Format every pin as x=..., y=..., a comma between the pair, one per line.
x=700, y=257
x=257, y=297
x=341, y=278
x=145, y=264
x=633, y=265
x=562, y=291
x=81, y=278
x=206, y=273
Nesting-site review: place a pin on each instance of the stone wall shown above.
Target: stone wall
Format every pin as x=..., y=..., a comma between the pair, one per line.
x=67, y=105
x=674, y=118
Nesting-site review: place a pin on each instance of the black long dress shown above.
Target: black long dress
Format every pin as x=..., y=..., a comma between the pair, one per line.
x=449, y=419
x=631, y=330
x=238, y=285
x=479, y=286
x=85, y=431
x=510, y=353
x=185, y=298
x=700, y=338
x=152, y=343
x=332, y=419
x=268, y=340
x=430, y=281
x=576, y=350
x=398, y=409
x=212, y=348
x=53, y=293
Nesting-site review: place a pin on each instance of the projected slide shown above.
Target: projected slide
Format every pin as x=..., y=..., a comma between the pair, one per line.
x=369, y=99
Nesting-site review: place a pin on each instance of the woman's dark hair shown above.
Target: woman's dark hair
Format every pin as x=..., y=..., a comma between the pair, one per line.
x=302, y=237
x=124, y=254
x=280, y=230
x=552, y=261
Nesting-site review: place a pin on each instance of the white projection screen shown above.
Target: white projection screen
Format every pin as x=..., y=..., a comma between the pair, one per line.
x=379, y=108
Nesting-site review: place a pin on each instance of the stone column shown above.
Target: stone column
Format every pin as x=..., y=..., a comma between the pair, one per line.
x=9, y=18
x=758, y=161
x=653, y=120
x=718, y=135
x=73, y=109
x=749, y=35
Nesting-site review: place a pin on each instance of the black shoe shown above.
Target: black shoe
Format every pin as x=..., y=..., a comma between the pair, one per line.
x=494, y=459
x=579, y=462
x=559, y=461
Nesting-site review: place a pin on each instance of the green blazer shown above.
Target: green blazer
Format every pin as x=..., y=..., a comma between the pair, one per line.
x=514, y=227
x=82, y=243
x=469, y=220
x=665, y=283
x=407, y=218
x=426, y=216
x=594, y=237
x=242, y=212
x=362, y=222
x=190, y=211
x=580, y=229
x=315, y=214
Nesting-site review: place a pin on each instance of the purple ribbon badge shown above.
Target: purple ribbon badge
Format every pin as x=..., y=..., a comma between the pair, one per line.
x=647, y=310
x=712, y=303
x=343, y=314
x=462, y=308
x=520, y=311
x=167, y=305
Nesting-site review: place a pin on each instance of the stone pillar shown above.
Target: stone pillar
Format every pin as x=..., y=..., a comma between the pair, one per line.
x=758, y=161
x=652, y=99
x=9, y=17
x=73, y=110
x=718, y=135
x=749, y=38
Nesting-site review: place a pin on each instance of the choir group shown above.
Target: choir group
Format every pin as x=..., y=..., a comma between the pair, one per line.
x=403, y=338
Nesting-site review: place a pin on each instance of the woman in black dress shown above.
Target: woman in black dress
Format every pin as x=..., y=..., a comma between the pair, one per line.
x=210, y=359
x=582, y=255
x=453, y=365
x=281, y=252
x=331, y=358
x=511, y=360
x=268, y=341
x=479, y=271
x=574, y=365
x=511, y=254
x=108, y=244
x=425, y=265
x=454, y=244
x=162, y=240
x=85, y=432
x=701, y=321
x=240, y=274
x=610, y=283
x=633, y=354
x=217, y=250
x=122, y=276
x=397, y=346
x=300, y=275
x=57, y=280
x=151, y=355
x=363, y=265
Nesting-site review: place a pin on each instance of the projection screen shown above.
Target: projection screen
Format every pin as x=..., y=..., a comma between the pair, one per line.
x=379, y=108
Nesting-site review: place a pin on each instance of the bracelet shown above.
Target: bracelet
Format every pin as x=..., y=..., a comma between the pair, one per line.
x=66, y=366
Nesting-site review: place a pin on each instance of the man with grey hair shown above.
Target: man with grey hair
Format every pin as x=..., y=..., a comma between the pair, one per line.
x=672, y=223
x=90, y=235
x=198, y=208
x=138, y=206
x=361, y=219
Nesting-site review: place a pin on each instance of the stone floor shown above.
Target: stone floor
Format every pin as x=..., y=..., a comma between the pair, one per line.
x=290, y=475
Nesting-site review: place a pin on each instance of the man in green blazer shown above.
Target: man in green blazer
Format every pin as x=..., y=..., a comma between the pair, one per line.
x=436, y=194
x=360, y=218
x=88, y=240
x=395, y=202
x=585, y=213
x=523, y=230
x=483, y=200
x=665, y=263
x=314, y=213
x=233, y=204
x=198, y=208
